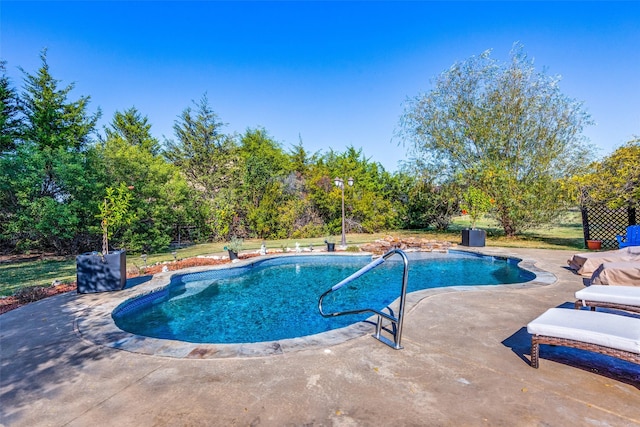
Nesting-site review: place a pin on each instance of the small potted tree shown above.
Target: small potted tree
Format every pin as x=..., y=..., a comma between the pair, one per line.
x=234, y=247
x=331, y=244
x=474, y=203
x=106, y=270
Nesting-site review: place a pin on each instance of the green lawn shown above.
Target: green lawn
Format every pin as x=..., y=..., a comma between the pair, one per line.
x=567, y=235
x=32, y=273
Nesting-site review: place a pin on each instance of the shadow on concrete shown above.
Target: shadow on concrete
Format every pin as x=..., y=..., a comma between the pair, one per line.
x=520, y=344
x=135, y=281
x=40, y=351
x=586, y=281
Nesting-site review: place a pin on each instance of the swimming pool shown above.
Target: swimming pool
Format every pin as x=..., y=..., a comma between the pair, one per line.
x=275, y=299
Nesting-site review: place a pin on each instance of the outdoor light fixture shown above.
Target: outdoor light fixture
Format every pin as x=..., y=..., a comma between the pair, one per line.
x=339, y=182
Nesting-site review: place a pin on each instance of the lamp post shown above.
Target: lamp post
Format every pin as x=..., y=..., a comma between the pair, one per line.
x=339, y=182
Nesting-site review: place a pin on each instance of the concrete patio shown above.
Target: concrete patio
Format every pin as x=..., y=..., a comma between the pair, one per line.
x=465, y=362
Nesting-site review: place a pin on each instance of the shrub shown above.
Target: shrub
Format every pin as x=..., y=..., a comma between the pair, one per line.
x=30, y=294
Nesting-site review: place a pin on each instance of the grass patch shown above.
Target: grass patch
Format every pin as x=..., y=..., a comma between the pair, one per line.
x=14, y=277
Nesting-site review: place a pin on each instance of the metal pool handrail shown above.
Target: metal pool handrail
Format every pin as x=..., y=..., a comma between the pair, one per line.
x=396, y=322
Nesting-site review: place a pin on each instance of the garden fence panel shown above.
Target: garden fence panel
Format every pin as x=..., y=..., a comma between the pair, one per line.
x=602, y=223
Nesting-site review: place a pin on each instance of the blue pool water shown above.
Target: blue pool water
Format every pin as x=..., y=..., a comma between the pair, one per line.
x=277, y=298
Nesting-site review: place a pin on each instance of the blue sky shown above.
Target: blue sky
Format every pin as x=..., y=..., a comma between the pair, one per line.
x=332, y=74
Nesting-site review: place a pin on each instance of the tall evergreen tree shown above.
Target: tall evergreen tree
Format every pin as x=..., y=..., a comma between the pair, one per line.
x=10, y=130
x=208, y=157
x=49, y=176
x=10, y=119
x=132, y=127
x=211, y=162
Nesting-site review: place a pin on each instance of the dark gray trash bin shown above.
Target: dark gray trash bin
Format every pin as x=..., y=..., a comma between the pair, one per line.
x=473, y=237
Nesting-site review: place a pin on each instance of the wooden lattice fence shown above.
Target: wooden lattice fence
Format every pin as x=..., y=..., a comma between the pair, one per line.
x=604, y=224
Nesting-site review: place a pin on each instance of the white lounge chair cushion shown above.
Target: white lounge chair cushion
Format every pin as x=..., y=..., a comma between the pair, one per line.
x=594, y=327
x=613, y=294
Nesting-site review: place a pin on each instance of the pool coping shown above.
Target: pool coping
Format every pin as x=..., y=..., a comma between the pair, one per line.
x=96, y=325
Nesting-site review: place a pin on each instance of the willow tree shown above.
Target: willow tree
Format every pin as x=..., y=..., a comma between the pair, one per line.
x=504, y=128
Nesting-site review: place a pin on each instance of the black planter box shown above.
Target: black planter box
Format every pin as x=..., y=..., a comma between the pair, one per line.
x=96, y=273
x=232, y=255
x=473, y=237
x=331, y=247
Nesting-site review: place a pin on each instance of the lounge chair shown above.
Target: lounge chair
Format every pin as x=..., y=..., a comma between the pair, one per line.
x=605, y=333
x=616, y=297
x=622, y=273
x=632, y=237
x=587, y=263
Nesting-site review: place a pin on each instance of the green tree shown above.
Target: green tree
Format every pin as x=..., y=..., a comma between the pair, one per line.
x=10, y=119
x=132, y=127
x=212, y=164
x=159, y=193
x=208, y=157
x=298, y=214
x=299, y=159
x=265, y=168
x=424, y=201
x=505, y=129
x=114, y=212
x=614, y=181
x=10, y=129
x=475, y=203
x=368, y=206
x=264, y=163
x=48, y=178
x=52, y=121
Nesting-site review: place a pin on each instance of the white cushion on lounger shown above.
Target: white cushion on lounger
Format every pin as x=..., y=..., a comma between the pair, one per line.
x=605, y=329
x=613, y=294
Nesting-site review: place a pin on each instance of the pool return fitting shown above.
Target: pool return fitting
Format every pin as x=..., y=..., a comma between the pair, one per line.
x=396, y=322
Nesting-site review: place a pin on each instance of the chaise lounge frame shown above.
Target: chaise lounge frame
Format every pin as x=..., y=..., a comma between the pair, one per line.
x=536, y=340
x=593, y=304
